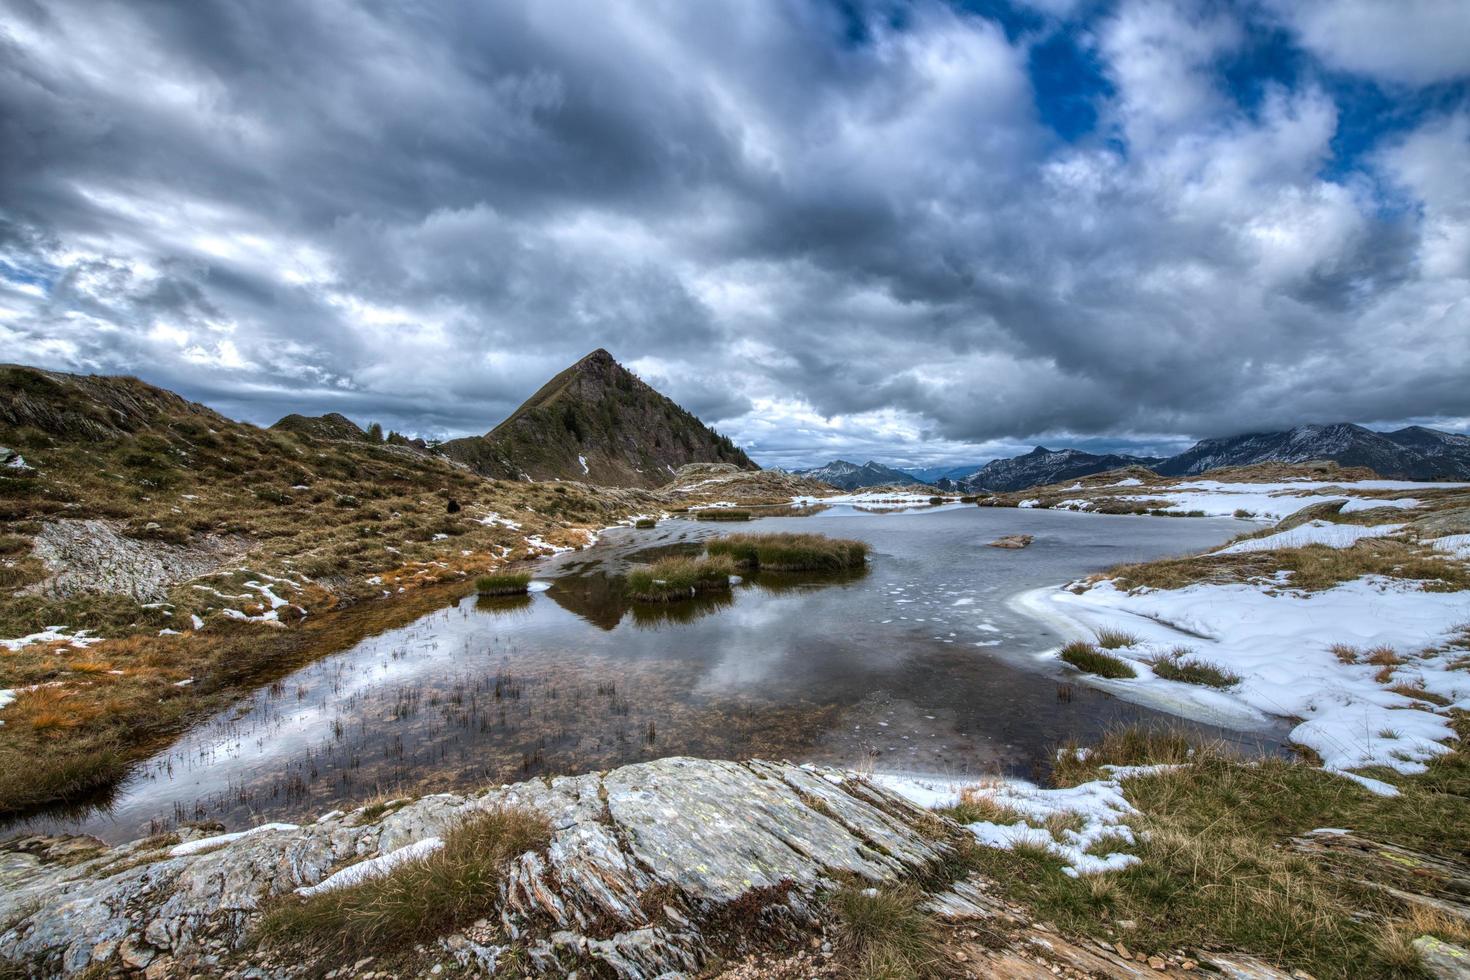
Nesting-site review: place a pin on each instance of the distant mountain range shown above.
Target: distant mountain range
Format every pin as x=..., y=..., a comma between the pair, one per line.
x=1413, y=453
x=948, y=471
x=850, y=476
x=596, y=422
x=1042, y=466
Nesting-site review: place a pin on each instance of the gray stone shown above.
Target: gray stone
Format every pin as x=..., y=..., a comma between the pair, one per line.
x=1443, y=960
x=678, y=837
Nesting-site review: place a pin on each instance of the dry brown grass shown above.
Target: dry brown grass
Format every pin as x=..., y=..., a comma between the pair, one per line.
x=1312, y=568
x=417, y=900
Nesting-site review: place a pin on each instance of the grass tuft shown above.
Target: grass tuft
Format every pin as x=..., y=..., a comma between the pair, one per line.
x=885, y=935
x=721, y=514
x=415, y=901
x=1086, y=657
x=1178, y=665
x=646, y=522
x=503, y=583
x=679, y=577
x=790, y=552
x=1111, y=639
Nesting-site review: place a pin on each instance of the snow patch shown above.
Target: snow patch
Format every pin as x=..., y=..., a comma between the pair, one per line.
x=220, y=840
x=1312, y=532
x=1277, y=640
x=373, y=867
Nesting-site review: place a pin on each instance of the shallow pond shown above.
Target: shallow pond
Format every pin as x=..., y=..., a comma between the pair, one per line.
x=916, y=664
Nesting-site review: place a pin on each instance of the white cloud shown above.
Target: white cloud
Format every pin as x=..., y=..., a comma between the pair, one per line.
x=1410, y=42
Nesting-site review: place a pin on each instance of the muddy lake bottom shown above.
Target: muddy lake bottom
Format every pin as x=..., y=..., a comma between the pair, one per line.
x=916, y=664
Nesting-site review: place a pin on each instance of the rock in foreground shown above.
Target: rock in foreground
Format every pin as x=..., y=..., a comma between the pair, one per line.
x=648, y=868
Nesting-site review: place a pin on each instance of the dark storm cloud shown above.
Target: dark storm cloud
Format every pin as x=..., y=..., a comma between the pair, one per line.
x=835, y=232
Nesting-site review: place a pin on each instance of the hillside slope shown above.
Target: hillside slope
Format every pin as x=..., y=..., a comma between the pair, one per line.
x=596, y=422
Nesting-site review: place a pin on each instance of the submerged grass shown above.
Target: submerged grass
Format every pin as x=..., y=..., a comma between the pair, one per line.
x=721, y=514
x=417, y=900
x=1086, y=657
x=503, y=583
x=790, y=552
x=679, y=577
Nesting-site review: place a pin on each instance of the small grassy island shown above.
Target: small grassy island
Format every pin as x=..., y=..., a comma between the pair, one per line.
x=679, y=577
x=503, y=583
x=790, y=552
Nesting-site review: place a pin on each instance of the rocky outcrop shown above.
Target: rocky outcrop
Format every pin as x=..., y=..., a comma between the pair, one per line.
x=644, y=862
x=92, y=556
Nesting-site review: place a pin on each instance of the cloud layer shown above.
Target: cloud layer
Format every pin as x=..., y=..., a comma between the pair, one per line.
x=829, y=229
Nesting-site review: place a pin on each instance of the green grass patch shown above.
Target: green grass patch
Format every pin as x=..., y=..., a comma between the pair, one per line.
x=646, y=522
x=790, y=552
x=1176, y=666
x=1086, y=657
x=417, y=900
x=503, y=583
x=721, y=514
x=680, y=577
x=1217, y=871
x=1111, y=639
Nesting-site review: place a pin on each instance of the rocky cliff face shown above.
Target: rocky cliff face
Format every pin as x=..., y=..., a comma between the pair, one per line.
x=598, y=423
x=643, y=864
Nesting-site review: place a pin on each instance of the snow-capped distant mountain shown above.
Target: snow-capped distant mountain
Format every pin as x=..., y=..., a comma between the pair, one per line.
x=947, y=471
x=850, y=476
x=1042, y=466
x=1413, y=453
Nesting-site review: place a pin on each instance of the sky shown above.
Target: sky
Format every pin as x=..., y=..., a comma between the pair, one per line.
x=917, y=232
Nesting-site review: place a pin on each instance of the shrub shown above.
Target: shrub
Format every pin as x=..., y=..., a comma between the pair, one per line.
x=679, y=577
x=417, y=900
x=790, y=552
x=646, y=522
x=503, y=583
x=1088, y=658
x=1178, y=665
x=721, y=514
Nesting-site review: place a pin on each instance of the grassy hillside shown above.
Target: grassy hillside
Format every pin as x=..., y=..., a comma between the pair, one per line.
x=596, y=422
x=196, y=545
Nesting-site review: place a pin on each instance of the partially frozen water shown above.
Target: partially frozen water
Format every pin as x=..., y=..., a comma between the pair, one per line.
x=917, y=665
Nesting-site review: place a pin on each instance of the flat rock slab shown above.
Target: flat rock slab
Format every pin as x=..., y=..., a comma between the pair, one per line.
x=642, y=861
x=1013, y=541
